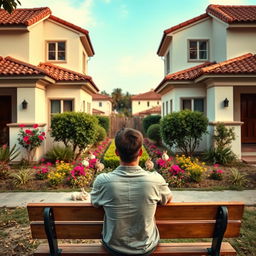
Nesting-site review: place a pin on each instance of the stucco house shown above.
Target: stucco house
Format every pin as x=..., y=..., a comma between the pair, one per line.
x=43, y=71
x=151, y=111
x=102, y=104
x=145, y=101
x=210, y=66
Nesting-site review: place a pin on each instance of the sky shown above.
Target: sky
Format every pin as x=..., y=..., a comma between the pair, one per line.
x=126, y=34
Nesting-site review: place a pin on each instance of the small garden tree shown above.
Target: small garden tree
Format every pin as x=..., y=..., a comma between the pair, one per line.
x=104, y=122
x=184, y=130
x=77, y=129
x=153, y=133
x=149, y=120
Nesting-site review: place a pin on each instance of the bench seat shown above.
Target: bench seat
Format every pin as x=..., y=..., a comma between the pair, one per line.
x=164, y=249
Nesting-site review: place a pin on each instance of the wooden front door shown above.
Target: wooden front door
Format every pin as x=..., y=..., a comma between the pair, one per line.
x=248, y=116
x=5, y=118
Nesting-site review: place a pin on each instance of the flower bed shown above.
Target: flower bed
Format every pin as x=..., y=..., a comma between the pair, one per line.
x=111, y=160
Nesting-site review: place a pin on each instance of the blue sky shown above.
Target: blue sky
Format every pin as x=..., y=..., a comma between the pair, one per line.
x=126, y=34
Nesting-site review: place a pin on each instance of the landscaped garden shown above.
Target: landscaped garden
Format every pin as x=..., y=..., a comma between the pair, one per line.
x=87, y=152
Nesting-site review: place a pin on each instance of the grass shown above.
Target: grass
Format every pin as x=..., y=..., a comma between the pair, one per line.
x=15, y=236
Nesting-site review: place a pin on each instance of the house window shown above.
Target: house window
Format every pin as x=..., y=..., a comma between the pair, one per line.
x=166, y=107
x=84, y=63
x=196, y=104
x=148, y=103
x=138, y=102
x=83, y=105
x=57, y=51
x=163, y=109
x=100, y=104
x=88, y=107
x=158, y=103
x=167, y=61
x=60, y=106
x=198, y=50
x=170, y=106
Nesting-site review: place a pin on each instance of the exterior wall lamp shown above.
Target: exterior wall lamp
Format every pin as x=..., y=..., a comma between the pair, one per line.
x=24, y=104
x=226, y=102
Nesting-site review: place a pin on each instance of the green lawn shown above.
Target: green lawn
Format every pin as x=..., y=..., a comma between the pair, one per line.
x=15, y=236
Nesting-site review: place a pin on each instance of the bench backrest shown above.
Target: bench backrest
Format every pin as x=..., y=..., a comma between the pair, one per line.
x=175, y=220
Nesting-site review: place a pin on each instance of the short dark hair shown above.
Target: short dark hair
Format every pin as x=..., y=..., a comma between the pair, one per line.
x=128, y=144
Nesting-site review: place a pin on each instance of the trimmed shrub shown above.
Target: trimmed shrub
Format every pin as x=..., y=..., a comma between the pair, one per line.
x=184, y=130
x=65, y=154
x=149, y=120
x=77, y=129
x=153, y=133
x=101, y=134
x=111, y=160
x=104, y=122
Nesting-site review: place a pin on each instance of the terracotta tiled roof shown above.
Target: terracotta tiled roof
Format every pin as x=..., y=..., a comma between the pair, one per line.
x=11, y=67
x=240, y=65
x=25, y=17
x=186, y=23
x=245, y=64
x=153, y=110
x=233, y=13
x=97, y=112
x=151, y=95
x=98, y=96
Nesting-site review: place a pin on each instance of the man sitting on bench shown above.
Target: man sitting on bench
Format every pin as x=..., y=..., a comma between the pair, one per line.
x=129, y=196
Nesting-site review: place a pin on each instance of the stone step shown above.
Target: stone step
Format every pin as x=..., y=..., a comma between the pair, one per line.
x=250, y=159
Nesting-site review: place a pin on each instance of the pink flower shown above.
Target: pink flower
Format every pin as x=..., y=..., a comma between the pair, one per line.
x=43, y=133
x=42, y=160
x=26, y=138
x=4, y=146
x=35, y=126
x=215, y=165
x=219, y=171
x=35, y=167
x=28, y=132
x=40, y=137
x=21, y=125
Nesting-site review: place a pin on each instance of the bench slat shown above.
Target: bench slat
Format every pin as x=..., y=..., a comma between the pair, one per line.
x=167, y=229
x=173, y=211
x=164, y=249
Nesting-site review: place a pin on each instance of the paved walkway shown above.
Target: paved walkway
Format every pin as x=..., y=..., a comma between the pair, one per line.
x=14, y=199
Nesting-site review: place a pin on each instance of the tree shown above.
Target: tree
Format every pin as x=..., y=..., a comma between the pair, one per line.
x=9, y=5
x=116, y=97
x=104, y=93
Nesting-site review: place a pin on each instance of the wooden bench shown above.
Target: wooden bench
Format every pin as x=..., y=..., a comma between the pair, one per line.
x=175, y=220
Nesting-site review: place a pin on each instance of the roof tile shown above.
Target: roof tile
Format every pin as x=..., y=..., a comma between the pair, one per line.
x=151, y=95
x=98, y=96
x=153, y=110
x=25, y=17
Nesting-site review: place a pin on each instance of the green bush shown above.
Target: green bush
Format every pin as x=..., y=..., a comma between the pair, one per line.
x=7, y=154
x=76, y=129
x=149, y=120
x=101, y=134
x=153, y=133
x=104, y=122
x=221, y=151
x=184, y=130
x=60, y=153
x=111, y=160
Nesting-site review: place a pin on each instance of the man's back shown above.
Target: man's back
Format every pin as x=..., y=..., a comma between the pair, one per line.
x=129, y=196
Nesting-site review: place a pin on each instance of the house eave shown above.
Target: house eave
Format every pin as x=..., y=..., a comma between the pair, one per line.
x=26, y=78
x=177, y=82
x=14, y=28
x=204, y=77
x=86, y=42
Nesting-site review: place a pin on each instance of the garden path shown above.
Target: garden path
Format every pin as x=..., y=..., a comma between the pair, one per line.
x=20, y=199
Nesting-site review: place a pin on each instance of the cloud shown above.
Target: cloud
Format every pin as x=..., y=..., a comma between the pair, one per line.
x=228, y=2
x=124, y=11
x=76, y=13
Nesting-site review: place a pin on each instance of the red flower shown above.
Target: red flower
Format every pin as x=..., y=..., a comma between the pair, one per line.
x=21, y=125
x=28, y=132
x=26, y=138
x=35, y=126
x=40, y=137
x=43, y=133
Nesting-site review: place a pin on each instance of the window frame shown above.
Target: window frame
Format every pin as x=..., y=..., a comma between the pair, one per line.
x=167, y=63
x=207, y=51
x=100, y=104
x=50, y=114
x=192, y=102
x=171, y=106
x=56, y=43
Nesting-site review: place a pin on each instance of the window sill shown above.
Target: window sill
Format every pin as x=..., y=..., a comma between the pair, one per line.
x=204, y=60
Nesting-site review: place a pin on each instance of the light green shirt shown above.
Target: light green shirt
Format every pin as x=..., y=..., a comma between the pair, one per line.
x=130, y=196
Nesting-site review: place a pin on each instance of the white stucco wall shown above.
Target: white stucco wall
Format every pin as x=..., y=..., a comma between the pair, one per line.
x=202, y=30
x=55, y=32
x=219, y=41
x=37, y=45
x=85, y=98
x=136, y=107
x=106, y=106
x=240, y=41
x=15, y=44
x=215, y=106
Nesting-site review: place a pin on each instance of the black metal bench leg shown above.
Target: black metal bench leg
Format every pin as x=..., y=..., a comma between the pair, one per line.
x=219, y=231
x=50, y=232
